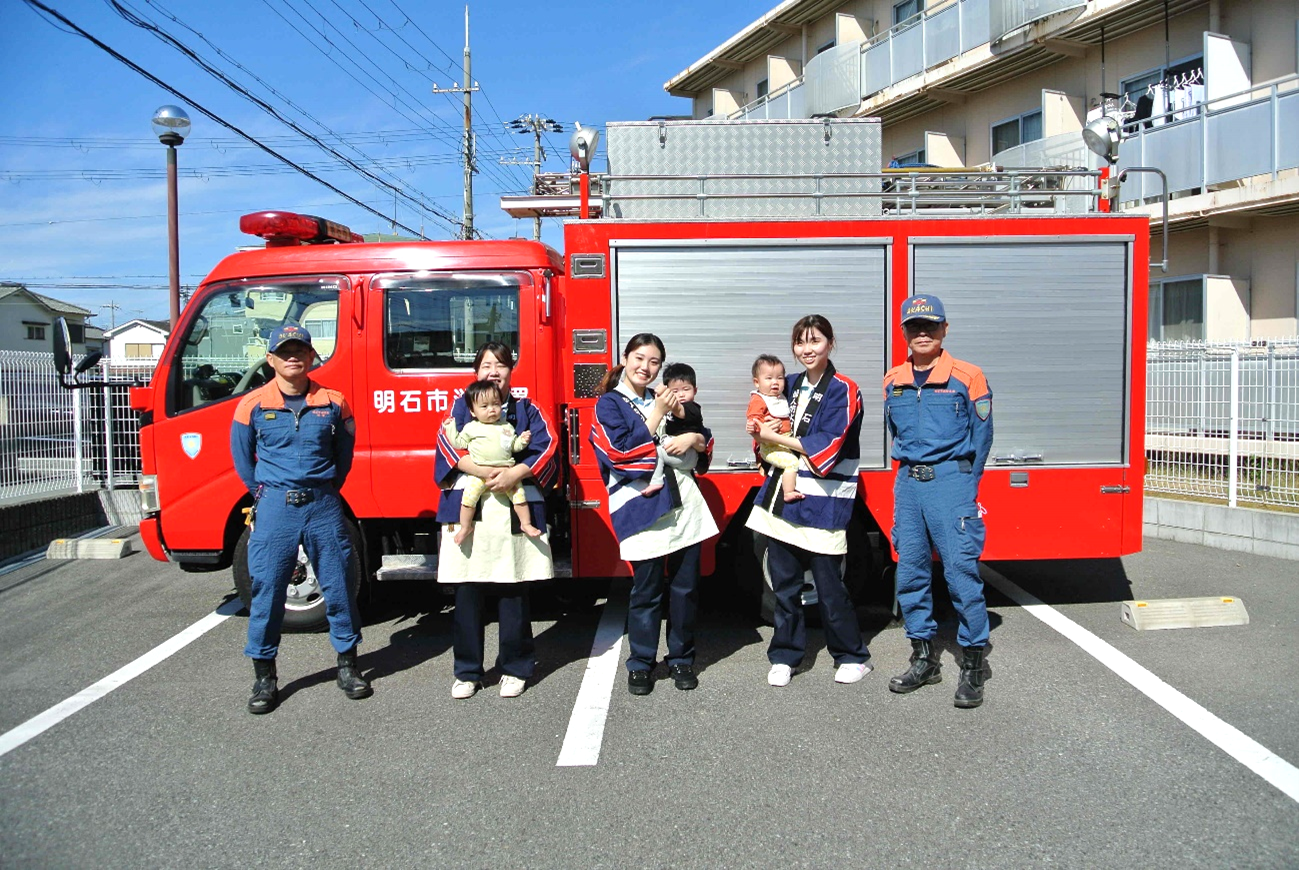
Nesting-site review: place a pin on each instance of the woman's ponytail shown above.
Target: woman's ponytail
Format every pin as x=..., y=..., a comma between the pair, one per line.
x=609, y=381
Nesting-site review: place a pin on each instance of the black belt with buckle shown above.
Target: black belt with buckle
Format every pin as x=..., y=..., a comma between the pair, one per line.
x=921, y=472
x=299, y=497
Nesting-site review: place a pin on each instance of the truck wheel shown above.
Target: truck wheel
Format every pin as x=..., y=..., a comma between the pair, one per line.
x=304, y=609
x=767, y=607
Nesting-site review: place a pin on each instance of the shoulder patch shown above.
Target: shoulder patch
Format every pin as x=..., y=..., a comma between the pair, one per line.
x=983, y=407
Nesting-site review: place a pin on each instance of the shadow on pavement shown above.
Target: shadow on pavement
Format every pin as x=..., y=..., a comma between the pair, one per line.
x=1065, y=581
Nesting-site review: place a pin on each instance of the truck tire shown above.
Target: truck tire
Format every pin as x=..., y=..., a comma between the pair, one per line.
x=304, y=610
x=767, y=605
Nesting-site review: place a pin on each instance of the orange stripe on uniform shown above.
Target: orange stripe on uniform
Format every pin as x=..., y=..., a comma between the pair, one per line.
x=244, y=410
x=972, y=376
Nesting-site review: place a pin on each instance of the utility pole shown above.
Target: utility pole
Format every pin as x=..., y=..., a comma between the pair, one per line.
x=112, y=307
x=467, y=225
x=536, y=125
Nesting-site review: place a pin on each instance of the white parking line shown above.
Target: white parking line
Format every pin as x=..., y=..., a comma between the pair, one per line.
x=42, y=722
x=586, y=725
x=1231, y=740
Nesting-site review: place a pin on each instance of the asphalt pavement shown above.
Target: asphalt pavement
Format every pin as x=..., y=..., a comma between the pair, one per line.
x=1066, y=764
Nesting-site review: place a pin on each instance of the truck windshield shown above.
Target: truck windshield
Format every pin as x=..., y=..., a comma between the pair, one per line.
x=439, y=321
x=224, y=351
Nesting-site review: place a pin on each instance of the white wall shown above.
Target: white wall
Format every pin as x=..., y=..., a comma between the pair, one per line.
x=137, y=334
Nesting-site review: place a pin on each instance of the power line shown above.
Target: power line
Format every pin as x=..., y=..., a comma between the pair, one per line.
x=210, y=114
x=492, y=131
x=395, y=100
x=359, y=26
x=143, y=217
x=138, y=21
x=205, y=172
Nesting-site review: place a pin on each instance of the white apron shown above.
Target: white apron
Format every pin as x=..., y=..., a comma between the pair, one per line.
x=491, y=554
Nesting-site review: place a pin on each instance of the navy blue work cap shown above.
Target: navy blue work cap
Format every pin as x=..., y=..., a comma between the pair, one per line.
x=288, y=332
x=926, y=307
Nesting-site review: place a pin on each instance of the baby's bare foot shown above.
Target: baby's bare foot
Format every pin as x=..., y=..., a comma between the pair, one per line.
x=531, y=531
x=460, y=536
x=794, y=496
x=650, y=490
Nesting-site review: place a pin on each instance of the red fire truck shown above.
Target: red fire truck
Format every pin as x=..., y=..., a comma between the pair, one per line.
x=1043, y=289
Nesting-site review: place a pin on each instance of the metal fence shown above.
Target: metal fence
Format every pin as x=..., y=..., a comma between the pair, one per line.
x=1222, y=421
x=55, y=440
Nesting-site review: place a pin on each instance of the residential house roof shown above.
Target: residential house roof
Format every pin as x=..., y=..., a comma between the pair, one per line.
x=56, y=306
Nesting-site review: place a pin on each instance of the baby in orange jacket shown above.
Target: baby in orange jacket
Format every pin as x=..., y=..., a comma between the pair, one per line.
x=768, y=402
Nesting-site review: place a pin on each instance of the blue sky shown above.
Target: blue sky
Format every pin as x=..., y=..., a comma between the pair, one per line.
x=83, y=211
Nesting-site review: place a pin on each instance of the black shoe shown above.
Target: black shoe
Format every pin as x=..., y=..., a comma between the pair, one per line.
x=639, y=682
x=684, y=677
x=266, y=692
x=969, y=691
x=925, y=669
x=350, y=680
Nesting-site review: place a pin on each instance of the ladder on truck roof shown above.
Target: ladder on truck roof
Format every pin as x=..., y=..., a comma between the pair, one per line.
x=907, y=191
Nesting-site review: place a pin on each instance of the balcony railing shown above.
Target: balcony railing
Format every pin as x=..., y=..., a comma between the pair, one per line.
x=1225, y=139
x=842, y=76
x=833, y=79
x=1063, y=150
x=1009, y=16
x=782, y=104
x=914, y=46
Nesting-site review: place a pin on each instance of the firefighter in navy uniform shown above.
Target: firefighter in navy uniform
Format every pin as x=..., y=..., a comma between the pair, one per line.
x=292, y=444
x=939, y=411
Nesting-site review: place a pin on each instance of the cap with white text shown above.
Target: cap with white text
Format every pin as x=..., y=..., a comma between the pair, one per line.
x=288, y=332
x=927, y=307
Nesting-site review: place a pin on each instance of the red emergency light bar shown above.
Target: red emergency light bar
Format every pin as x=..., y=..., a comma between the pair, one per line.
x=287, y=228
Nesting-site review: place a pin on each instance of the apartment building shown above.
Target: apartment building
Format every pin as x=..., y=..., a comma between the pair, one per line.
x=1207, y=92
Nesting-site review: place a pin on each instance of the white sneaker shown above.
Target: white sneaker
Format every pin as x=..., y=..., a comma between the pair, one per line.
x=779, y=675
x=462, y=689
x=851, y=673
x=512, y=687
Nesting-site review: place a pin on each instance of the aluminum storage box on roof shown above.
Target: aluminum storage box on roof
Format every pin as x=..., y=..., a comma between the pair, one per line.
x=803, y=164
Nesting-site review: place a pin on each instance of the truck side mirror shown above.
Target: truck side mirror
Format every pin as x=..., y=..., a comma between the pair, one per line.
x=62, y=347
x=90, y=361
x=63, y=358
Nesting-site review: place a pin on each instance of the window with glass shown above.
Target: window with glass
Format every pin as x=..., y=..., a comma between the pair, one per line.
x=761, y=89
x=223, y=353
x=907, y=10
x=825, y=47
x=438, y=321
x=1177, y=310
x=1016, y=131
x=35, y=331
x=77, y=333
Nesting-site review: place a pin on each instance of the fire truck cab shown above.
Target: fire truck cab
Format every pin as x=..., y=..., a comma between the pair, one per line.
x=1043, y=290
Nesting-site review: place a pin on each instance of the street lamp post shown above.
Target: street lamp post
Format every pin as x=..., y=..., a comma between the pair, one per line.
x=171, y=125
x=536, y=125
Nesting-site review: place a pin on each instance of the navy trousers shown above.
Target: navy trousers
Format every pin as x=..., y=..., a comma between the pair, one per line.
x=645, y=609
x=515, y=647
x=786, y=564
x=940, y=514
x=320, y=527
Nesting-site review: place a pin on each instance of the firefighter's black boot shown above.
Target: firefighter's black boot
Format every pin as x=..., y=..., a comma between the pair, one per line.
x=350, y=680
x=925, y=668
x=969, y=692
x=266, y=692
